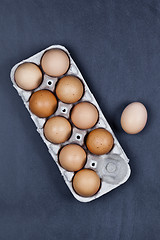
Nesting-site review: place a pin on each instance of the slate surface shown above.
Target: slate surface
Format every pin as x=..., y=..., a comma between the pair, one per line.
x=116, y=45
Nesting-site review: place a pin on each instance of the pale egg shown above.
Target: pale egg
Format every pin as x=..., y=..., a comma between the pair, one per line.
x=134, y=118
x=55, y=62
x=28, y=76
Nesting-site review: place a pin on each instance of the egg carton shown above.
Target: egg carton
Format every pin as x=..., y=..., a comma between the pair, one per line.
x=112, y=168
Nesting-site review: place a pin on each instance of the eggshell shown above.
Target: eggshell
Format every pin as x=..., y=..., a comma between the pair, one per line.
x=84, y=115
x=86, y=182
x=72, y=157
x=99, y=141
x=55, y=62
x=43, y=103
x=57, y=129
x=28, y=76
x=69, y=89
x=134, y=118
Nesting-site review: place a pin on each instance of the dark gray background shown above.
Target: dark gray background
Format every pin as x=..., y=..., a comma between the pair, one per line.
x=116, y=45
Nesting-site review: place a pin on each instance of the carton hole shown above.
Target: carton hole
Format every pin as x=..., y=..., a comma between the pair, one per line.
x=93, y=164
x=49, y=83
x=63, y=110
x=78, y=137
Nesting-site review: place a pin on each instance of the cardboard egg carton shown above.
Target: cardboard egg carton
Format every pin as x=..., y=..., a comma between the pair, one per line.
x=112, y=168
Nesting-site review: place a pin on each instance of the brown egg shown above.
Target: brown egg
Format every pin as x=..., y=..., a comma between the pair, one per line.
x=72, y=157
x=84, y=115
x=134, y=118
x=55, y=62
x=28, y=76
x=57, y=129
x=99, y=141
x=43, y=103
x=69, y=89
x=86, y=182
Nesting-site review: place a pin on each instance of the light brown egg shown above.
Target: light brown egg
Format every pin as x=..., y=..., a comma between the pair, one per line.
x=28, y=76
x=55, y=62
x=72, y=157
x=69, y=89
x=99, y=141
x=57, y=129
x=86, y=182
x=84, y=115
x=43, y=103
x=134, y=118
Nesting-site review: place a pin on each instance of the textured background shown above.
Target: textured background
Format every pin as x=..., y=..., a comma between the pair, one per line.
x=116, y=45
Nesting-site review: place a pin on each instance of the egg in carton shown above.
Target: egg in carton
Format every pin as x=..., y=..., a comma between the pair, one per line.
x=112, y=167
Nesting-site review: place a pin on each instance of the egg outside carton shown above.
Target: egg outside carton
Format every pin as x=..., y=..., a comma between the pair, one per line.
x=97, y=163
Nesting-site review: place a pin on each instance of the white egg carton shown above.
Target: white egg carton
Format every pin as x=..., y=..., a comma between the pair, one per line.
x=112, y=168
